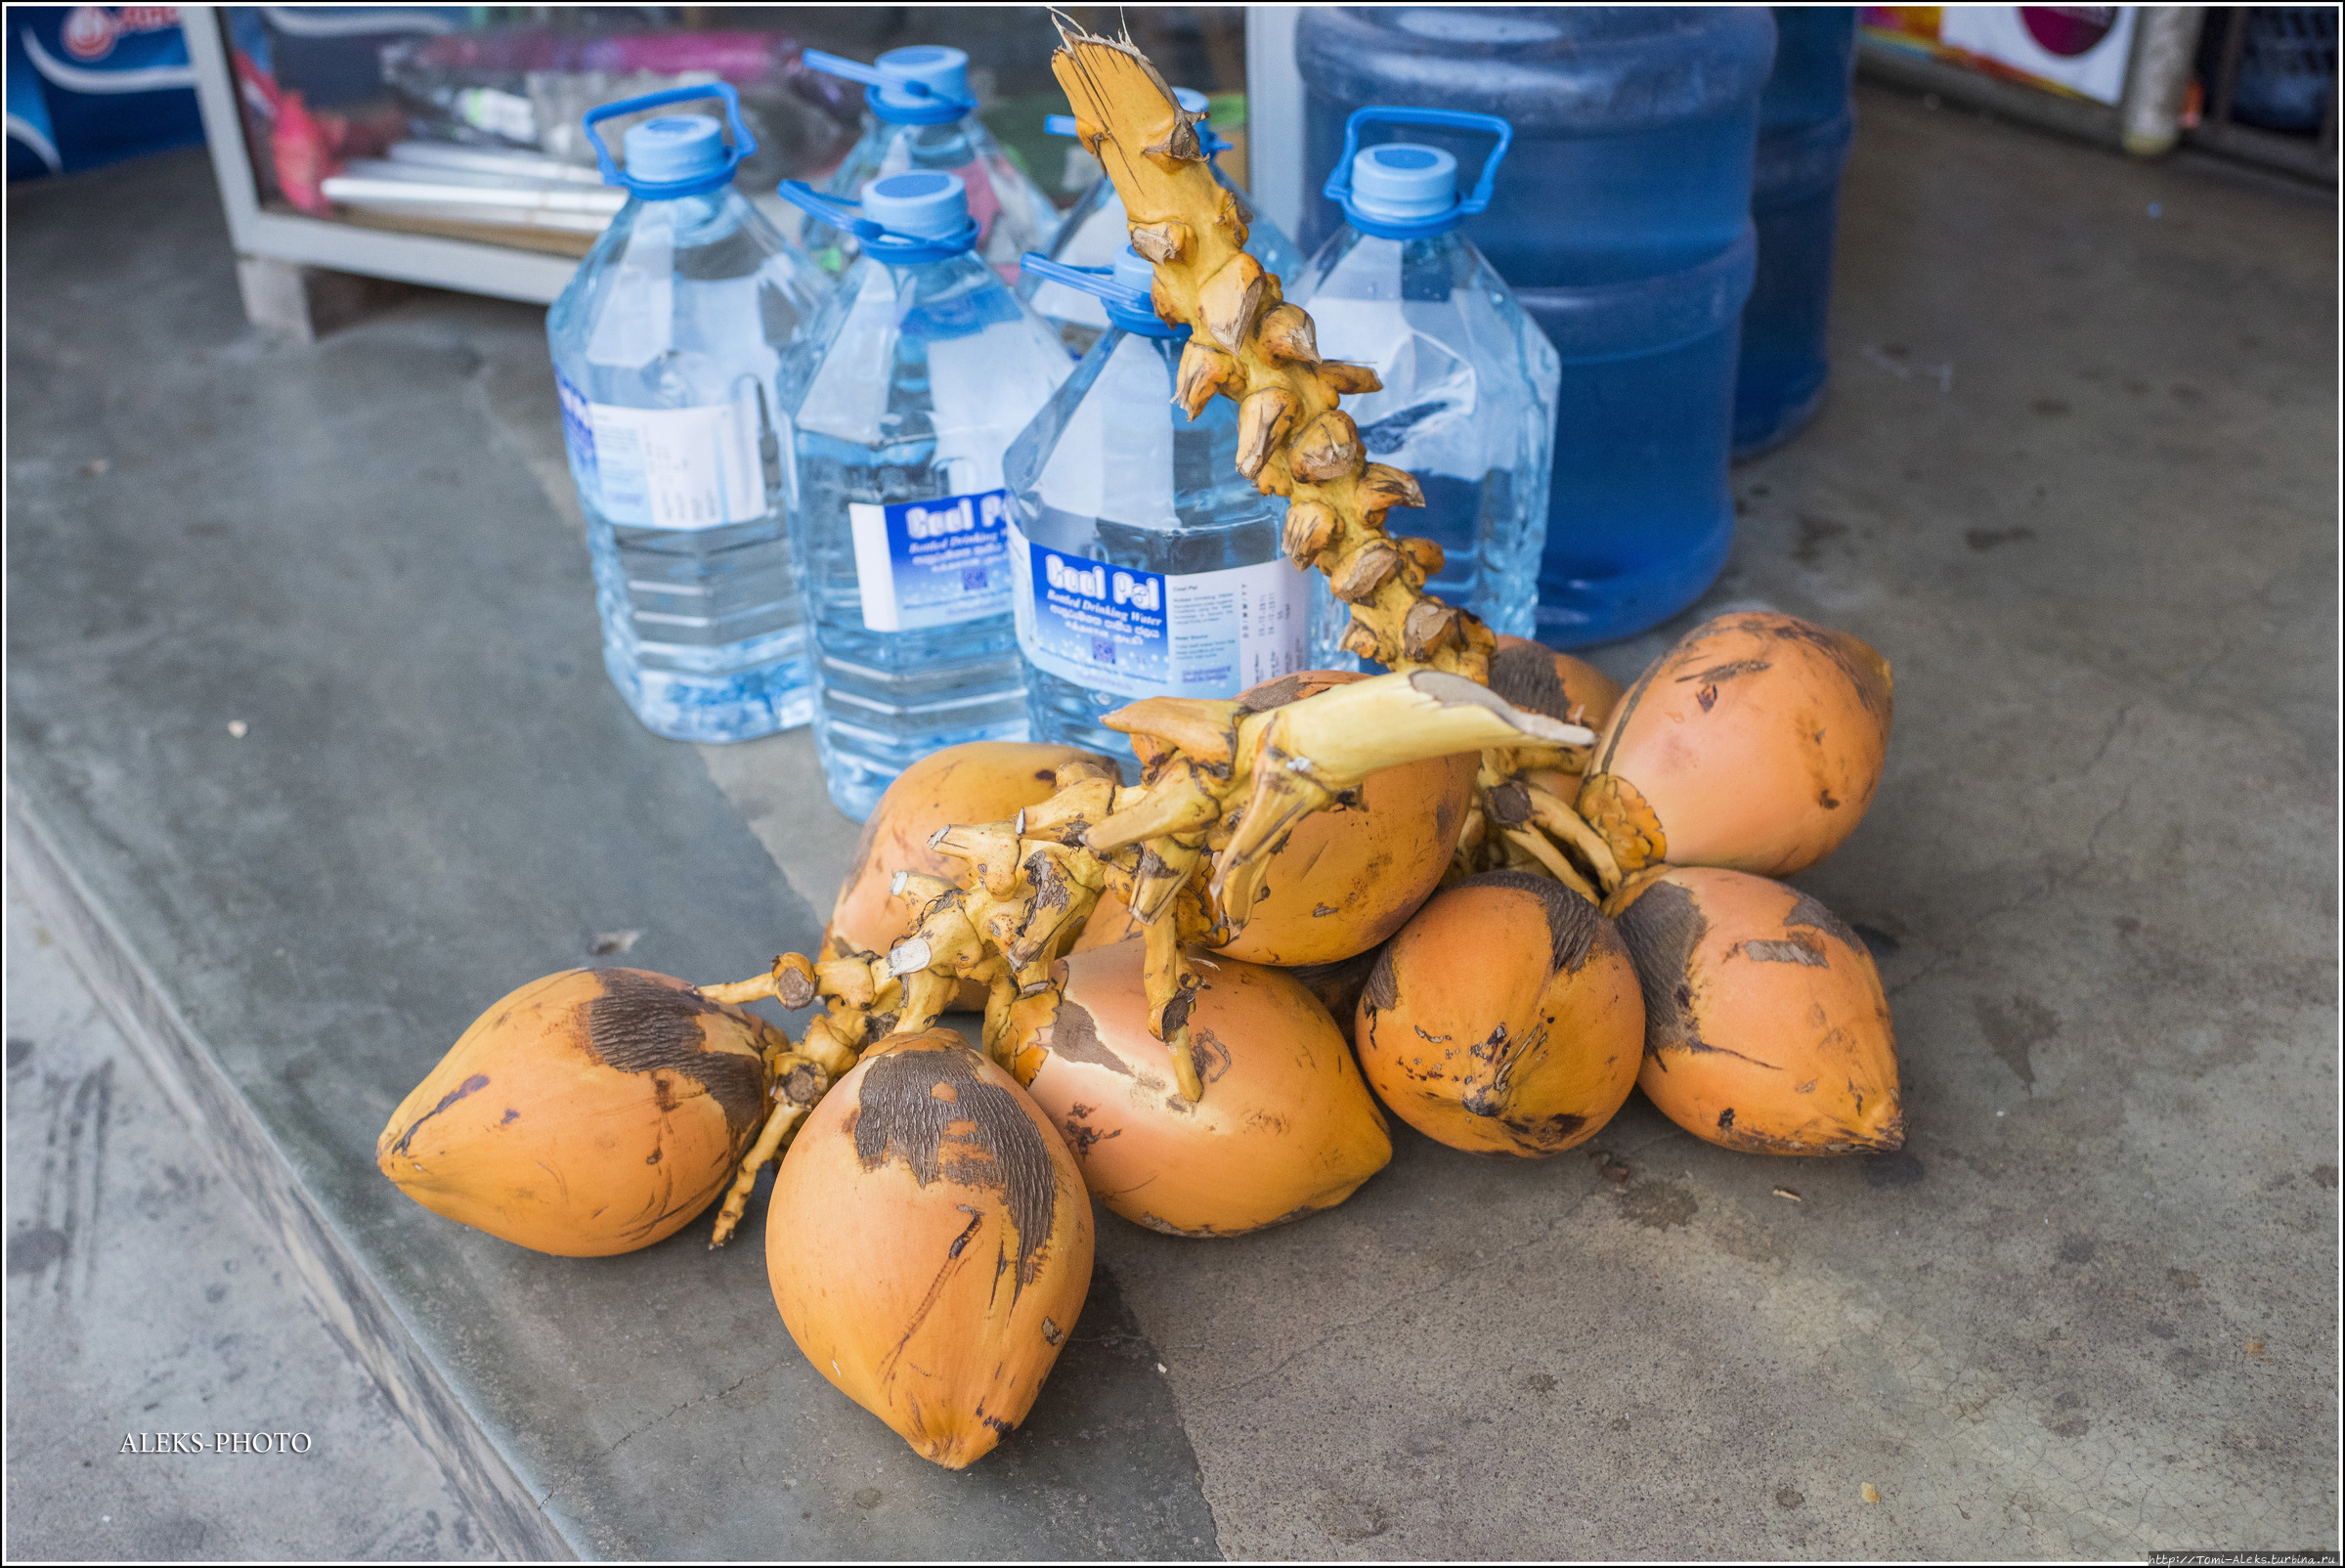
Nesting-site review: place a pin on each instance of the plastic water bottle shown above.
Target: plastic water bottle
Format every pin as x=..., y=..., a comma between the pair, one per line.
x=1626, y=231
x=903, y=396
x=1146, y=564
x=666, y=346
x=1468, y=404
x=924, y=116
x=1094, y=230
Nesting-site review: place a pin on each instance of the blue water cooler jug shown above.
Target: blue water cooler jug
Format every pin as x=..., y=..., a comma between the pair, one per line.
x=1624, y=229
x=1804, y=127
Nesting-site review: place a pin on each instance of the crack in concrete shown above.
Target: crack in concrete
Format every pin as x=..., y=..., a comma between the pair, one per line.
x=676, y=1410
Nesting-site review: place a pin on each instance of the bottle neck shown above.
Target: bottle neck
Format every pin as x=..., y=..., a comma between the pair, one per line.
x=696, y=215
x=958, y=140
x=928, y=278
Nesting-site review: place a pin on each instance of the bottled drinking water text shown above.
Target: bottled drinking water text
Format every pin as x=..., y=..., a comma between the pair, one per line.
x=1095, y=231
x=1147, y=564
x=1469, y=403
x=924, y=116
x=903, y=396
x=666, y=347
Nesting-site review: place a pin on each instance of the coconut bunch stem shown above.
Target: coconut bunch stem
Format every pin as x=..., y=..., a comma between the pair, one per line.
x=866, y=1001
x=1249, y=345
x=1185, y=850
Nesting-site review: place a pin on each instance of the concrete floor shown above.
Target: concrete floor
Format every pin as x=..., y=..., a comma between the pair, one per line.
x=2078, y=479
x=145, y=1298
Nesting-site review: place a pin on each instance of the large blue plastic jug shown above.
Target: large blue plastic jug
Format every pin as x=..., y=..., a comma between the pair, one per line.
x=1625, y=228
x=1804, y=126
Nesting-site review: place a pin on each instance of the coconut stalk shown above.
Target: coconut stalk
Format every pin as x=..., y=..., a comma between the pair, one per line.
x=1246, y=344
x=1030, y=884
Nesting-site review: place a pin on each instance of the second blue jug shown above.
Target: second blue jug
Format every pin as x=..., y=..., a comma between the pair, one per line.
x=903, y=396
x=1468, y=404
x=1147, y=565
x=1805, y=128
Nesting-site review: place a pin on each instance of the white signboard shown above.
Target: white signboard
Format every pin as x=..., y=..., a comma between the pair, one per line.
x=2082, y=48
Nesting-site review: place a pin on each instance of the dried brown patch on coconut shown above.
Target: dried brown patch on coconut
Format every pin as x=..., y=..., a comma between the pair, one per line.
x=932, y=1109
x=1524, y=673
x=1663, y=928
x=644, y=1022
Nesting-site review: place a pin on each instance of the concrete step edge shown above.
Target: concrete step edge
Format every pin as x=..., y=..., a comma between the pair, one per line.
x=334, y=1278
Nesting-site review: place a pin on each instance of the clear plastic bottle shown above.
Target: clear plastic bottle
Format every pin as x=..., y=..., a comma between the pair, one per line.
x=1468, y=404
x=1147, y=565
x=1624, y=229
x=924, y=116
x=666, y=346
x=1093, y=231
x=904, y=395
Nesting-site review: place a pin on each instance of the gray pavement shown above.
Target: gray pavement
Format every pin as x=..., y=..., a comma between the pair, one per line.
x=149, y=1312
x=2078, y=480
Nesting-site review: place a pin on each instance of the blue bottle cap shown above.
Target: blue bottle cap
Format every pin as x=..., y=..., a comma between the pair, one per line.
x=1403, y=190
x=924, y=203
x=1401, y=182
x=1135, y=272
x=943, y=71
x=1133, y=269
x=675, y=148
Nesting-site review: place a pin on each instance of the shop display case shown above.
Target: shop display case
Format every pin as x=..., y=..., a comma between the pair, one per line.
x=441, y=145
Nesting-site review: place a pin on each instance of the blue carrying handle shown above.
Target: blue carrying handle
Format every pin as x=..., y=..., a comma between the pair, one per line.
x=1098, y=282
x=1064, y=125
x=1129, y=308
x=877, y=77
x=744, y=145
x=877, y=242
x=1339, y=187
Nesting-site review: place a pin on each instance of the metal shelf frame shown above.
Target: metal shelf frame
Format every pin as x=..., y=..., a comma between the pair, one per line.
x=302, y=241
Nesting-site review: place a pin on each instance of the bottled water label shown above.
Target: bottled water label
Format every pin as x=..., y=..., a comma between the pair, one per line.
x=930, y=563
x=1140, y=634
x=676, y=468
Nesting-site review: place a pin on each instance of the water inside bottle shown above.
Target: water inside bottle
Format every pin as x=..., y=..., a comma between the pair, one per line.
x=1466, y=408
x=1150, y=566
x=908, y=390
x=666, y=346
